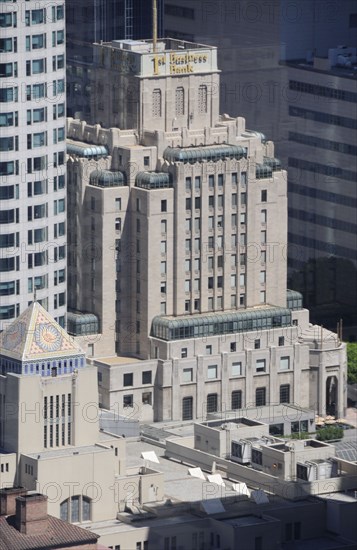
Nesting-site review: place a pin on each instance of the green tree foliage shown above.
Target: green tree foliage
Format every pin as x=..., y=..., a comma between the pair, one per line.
x=330, y=432
x=352, y=363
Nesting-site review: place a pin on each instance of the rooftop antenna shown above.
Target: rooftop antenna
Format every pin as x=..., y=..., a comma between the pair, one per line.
x=154, y=25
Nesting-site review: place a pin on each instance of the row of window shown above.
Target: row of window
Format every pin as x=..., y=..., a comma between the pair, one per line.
x=236, y=369
x=202, y=101
x=330, y=170
x=325, y=221
x=323, y=91
x=324, y=118
x=322, y=194
x=212, y=180
x=35, y=164
x=329, y=247
x=233, y=348
x=236, y=401
x=321, y=143
x=34, y=92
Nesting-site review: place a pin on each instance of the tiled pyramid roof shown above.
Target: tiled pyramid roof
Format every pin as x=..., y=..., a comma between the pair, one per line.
x=35, y=336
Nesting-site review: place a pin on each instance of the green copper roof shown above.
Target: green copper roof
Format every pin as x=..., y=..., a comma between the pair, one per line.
x=85, y=150
x=106, y=178
x=153, y=180
x=198, y=326
x=209, y=152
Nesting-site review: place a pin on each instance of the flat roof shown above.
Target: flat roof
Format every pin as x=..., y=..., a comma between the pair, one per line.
x=118, y=360
x=243, y=521
x=162, y=45
x=67, y=451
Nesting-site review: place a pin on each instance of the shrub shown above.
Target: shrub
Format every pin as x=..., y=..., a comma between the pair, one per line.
x=330, y=432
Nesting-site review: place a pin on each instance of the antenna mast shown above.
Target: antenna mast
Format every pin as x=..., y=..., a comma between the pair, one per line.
x=154, y=24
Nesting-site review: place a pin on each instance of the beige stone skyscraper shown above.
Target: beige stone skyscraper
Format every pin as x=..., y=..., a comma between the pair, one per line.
x=177, y=259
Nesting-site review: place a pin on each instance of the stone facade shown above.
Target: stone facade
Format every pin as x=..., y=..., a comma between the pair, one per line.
x=179, y=236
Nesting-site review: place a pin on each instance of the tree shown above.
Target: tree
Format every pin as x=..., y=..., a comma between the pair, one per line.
x=352, y=363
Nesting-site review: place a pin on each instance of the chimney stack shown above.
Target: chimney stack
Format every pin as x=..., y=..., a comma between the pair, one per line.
x=8, y=497
x=31, y=514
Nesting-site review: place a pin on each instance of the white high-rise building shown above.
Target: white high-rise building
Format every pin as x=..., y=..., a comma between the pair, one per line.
x=32, y=158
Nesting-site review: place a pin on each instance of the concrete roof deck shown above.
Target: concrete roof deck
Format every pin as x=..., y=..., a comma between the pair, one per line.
x=68, y=451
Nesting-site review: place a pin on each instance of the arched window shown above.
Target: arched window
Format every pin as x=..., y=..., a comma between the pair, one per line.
x=76, y=509
x=180, y=101
x=202, y=99
x=156, y=103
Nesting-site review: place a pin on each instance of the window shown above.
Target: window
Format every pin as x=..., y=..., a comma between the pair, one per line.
x=257, y=343
x=202, y=99
x=212, y=402
x=156, y=103
x=264, y=195
x=163, y=247
x=187, y=375
x=260, y=397
x=180, y=101
x=236, y=399
x=197, y=183
x=163, y=268
x=183, y=352
x=260, y=365
x=209, y=350
x=263, y=216
x=281, y=340
x=162, y=287
x=163, y=308
x=233, y=346
x=128, y=400
x=76, y=509
x=187, y=408
x=212, y=372
x=197, y=203
x=128, y=379
x=146, y=377
x=164, y=206
x=263, y=237
x=163, y=226
x=236, y=368
x=262, y=277
x=211, y=182
x=284, y=363
x=284, y=393
x=147, y=398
